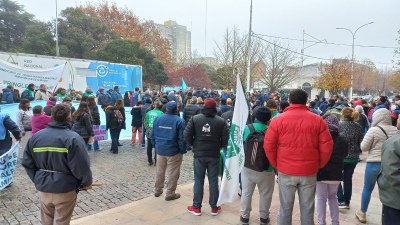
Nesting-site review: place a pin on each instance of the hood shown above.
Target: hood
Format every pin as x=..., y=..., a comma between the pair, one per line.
x=50, y=103
x=381, y=117
x=7, y=90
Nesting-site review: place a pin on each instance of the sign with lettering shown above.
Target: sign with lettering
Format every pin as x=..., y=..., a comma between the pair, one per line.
x=8, y=161
x=100, y=132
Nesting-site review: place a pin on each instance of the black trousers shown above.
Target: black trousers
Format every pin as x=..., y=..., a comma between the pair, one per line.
x=390, y=216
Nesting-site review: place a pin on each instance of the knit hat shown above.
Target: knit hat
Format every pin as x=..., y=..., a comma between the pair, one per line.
x=210, y=103
x=359, y=109
x=332, y=122
x=263, y=114
x=149, y=101
x=171, y=106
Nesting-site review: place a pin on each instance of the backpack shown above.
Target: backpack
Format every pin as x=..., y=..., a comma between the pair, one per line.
x=118, y=116
x=254, y=153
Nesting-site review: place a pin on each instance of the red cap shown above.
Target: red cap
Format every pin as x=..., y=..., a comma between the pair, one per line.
x=210, y=103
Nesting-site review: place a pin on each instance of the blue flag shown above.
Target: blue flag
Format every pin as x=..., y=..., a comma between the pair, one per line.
x=183, y=85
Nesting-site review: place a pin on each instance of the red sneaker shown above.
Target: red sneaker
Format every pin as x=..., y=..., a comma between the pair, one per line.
x=194, y=211
x=215, y=211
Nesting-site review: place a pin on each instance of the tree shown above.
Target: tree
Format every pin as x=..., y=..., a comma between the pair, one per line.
x=394, y=81
x=130, y=52
x=80, y=34
x=281, y=65
x=128, y=26
x=38, y=39
x=365, y=77
x=335, y=76
x=13, y=23
x=193, y=75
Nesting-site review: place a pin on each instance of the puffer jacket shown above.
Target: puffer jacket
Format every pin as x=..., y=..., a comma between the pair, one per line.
x=354, y=134
x=56, y=159
x=24, y=119
x=83, y=126
x=137, y=119
x=111, y=122
x=298, y=142
x=332, y=171
x=375, y=137
x=189, y=111
x=8, y=96
x=94, y=112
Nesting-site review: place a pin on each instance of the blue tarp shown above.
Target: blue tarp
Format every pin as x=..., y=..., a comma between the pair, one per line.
x=12, y=109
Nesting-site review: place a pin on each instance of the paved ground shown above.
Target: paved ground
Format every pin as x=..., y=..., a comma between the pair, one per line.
x=126, y=196
x=152, y=210
x=126, y=177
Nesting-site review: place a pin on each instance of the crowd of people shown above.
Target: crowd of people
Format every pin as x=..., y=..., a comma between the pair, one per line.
x=313, y=146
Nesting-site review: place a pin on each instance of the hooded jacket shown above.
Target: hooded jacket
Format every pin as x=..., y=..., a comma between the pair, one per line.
x=8, y=96
x=40, y=122
x=56, y=159
x=83, y=126
x=111, y=123
x=389, y=178
x=374, y=139
x=137, y=119
x=28, y=94
x=94, y=112
x=48, y=107
x=298, y=142
x=6, y=125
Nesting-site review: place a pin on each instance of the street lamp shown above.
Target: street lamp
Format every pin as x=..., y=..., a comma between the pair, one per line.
x=249, y=48
x=352, y=53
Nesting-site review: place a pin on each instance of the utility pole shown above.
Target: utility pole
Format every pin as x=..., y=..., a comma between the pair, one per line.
x=57, y=50
x=249, y=48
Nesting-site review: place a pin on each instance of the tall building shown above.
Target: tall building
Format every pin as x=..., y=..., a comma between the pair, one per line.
x=179, y=38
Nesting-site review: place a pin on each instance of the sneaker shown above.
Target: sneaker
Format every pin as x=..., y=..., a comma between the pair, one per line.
x=245, y=221
x=157, y=194
x=173, y=197
x=142, y=146
x=215, y=211
x=151, y=163
x=361, y=216
x=343, y=205
x=264, y=221
x=194, y=211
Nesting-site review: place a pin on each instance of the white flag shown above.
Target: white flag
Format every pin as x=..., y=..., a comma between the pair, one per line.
x=235, y=154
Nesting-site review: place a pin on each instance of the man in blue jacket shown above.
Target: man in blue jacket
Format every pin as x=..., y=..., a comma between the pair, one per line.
x=7, y=125
x=8, y=96
x=167, y=138
x=56, y=160
x=115, y=95
x=29, y=92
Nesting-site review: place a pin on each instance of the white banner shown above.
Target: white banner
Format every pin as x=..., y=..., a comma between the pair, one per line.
x=8, y=162
x=235, y=154
x=20, y=77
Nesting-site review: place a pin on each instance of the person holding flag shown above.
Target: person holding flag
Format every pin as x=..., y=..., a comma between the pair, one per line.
x=234, y=161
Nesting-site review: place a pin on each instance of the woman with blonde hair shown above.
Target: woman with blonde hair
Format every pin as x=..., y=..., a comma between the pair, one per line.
x=200, y=102
x=349, y=128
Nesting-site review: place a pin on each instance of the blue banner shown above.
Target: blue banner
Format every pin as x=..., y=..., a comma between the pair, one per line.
x=8, y=161
x=108, y=75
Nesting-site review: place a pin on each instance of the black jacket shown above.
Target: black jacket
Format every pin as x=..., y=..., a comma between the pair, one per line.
x=228, y=117
x=189, y=111
x=136, y=113
x=123, y=124
x=111, y=123
x=332, y=171
x=207, y=133
x=94, y=111
x=56, y=159
x=83, y=126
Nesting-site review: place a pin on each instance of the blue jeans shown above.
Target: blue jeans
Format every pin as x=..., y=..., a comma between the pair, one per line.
x=344, y=194
x=143, y=135
x=200, y=165
x=372, y=171
x=95, y=146
x=114, y=139
x=305, y=186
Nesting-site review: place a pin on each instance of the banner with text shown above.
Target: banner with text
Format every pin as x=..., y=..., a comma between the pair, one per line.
x=20, y=77
x=8, y=161
x=100, y=132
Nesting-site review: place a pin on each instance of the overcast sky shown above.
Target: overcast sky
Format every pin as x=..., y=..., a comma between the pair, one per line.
x=283, y=18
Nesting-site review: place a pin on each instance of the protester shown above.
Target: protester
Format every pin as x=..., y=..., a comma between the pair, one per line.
x=56, y=162
x=150, y=116
x=24, y=120
x=88, y=92
x=113, y=124
x=7, y=125
x=200, y=102
x=381, y=103
x=136, y=96
x=8, y=96
x=119, y=105
x=313, y=108
x=68, y=101
x=362, y=120
x=95, y=116
x=353, y=131
x=29, y=92
x=147, y=104
x=74, y=96
x=273, y=107
x=395, y=113
x=115, y=95
x=167, y=138
x=296, y=160
x=323, y=105
x=389, y=180
x=82, y=123
x=39, y=119
x=42, y=94
x=16, y=96
x=101, y=96
x=51, y=102
x=224, y=107
x=250, y=177
x=127, y=98
x=381, y=130
x=136, y=123
x=191, y=109
x=207, y=133
x=329, y=177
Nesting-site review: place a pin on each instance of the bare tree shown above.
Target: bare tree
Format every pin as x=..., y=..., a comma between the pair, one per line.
x=281, y=65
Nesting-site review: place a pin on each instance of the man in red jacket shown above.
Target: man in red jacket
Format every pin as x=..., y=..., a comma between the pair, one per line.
x=297, y=143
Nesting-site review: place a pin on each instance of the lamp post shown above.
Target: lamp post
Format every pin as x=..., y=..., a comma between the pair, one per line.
x=57, y=51
x=249, y=48
x=352, y=54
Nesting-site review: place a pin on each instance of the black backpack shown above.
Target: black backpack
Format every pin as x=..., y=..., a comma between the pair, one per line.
x=254, y=153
